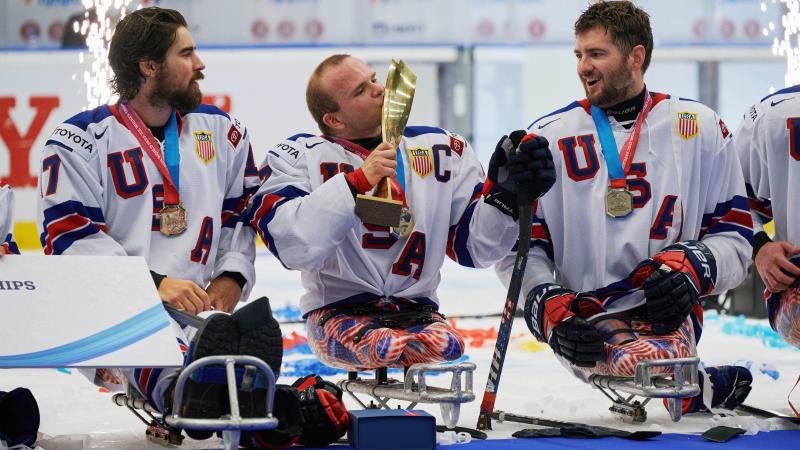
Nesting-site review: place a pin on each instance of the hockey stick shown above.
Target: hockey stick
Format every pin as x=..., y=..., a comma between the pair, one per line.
x=752, y=410
x=182, y=317
x=525, y=200
x=501, y=416
x=454, y=316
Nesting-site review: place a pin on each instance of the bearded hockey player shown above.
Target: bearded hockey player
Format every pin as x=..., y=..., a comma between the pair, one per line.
x=162, y=176
x=769, y=151
x=370, y=291
x=647, y=215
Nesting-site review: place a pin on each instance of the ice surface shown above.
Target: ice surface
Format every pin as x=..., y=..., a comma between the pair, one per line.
x=533, y=382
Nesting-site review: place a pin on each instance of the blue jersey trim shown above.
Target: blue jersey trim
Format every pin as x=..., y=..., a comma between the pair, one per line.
x=57, y=144
x=414, y=131
x=298, y=136
x=209, y=109
x=572, y=105
x=86, y=118
x=788, y=90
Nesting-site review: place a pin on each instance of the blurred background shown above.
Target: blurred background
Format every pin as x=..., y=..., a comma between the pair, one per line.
x=485, y=67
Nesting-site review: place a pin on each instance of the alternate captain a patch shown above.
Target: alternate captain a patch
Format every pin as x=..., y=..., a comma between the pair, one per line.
x=421, y=162
x=687, y=125
x=204, y=146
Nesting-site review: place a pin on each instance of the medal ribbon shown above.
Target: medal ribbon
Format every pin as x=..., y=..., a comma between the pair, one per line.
x=172, y=152
x=619, y=163
x=398, y=182
x=150, y=145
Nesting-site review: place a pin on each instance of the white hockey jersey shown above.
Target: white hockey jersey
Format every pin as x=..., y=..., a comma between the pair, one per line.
x=101, y=195
x=686, y=183
x=305, y=214
x=7, y=220
x=768, y=144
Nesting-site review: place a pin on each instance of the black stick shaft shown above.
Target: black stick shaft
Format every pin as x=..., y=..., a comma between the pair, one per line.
x=507, y=319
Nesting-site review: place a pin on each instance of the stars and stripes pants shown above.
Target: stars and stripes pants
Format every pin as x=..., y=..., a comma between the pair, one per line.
x=784, y=314
x=621, y=357
x=357, y=341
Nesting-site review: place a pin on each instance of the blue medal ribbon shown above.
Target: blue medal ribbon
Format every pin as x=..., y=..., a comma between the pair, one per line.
x=172, y=153
x=607, y=144
x=401, y=171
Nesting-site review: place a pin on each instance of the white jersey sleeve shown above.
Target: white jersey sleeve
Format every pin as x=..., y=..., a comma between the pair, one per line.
x=301, y=225
x=749, y=144
x=72, y=189
x=480, y=234
x=727, y=226
x=236, y=251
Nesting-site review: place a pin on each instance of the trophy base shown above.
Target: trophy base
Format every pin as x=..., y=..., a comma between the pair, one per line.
x=379, y=211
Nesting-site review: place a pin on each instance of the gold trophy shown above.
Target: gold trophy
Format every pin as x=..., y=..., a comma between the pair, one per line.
x=397, y=98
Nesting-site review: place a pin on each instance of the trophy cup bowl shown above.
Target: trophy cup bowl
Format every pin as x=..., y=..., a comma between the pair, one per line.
x=398, y=95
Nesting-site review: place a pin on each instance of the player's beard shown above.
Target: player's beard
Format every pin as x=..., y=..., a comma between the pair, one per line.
x=615, y=88
x=183, y=99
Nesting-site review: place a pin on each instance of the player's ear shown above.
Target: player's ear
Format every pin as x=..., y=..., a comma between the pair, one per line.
x=637, y=56
x=331, y=120
x=148, y=67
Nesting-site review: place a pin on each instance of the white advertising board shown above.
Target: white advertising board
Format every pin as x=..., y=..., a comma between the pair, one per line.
x=82, y=311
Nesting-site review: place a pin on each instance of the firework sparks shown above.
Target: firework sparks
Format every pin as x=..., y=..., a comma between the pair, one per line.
x=788, y=44
x=98, y=34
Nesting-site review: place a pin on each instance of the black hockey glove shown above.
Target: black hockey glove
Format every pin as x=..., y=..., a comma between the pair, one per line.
x=577, y=342
x=550, y=317
x=669, y=298
x=309, y=412
x=19, y=418
x=502, y=194
x=325, y=418
x=673, y=280
x=286, y=408
x=531, y=166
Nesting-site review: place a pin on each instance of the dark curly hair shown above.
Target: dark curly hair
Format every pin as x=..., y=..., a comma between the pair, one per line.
x=145, y=34
x=628, y=24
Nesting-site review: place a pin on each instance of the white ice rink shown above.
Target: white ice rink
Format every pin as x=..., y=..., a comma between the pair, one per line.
x=532, y=383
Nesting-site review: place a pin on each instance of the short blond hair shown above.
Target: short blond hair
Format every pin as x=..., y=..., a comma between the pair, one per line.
x=319, y=101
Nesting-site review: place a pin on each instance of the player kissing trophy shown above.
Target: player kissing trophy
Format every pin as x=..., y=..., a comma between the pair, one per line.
x=398, y=95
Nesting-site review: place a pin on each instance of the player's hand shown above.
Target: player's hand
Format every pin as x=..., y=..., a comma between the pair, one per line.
x=772, y=263
x=2, y=251
x=669, y=298
x=498, y=172
x=184, y=295
x=380, y=163
x=224, y=293
x=531, y=166
x=577, y=342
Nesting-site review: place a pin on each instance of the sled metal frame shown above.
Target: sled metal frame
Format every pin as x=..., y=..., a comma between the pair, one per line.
x=683, y=384
x=166, y=430
x=415, y=389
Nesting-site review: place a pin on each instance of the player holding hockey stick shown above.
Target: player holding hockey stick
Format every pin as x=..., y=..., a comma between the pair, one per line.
x=634, y=236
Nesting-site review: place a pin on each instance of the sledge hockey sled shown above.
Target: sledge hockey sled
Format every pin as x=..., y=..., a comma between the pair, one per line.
x=166, y=430
x=415, y=389
x=683, y=384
